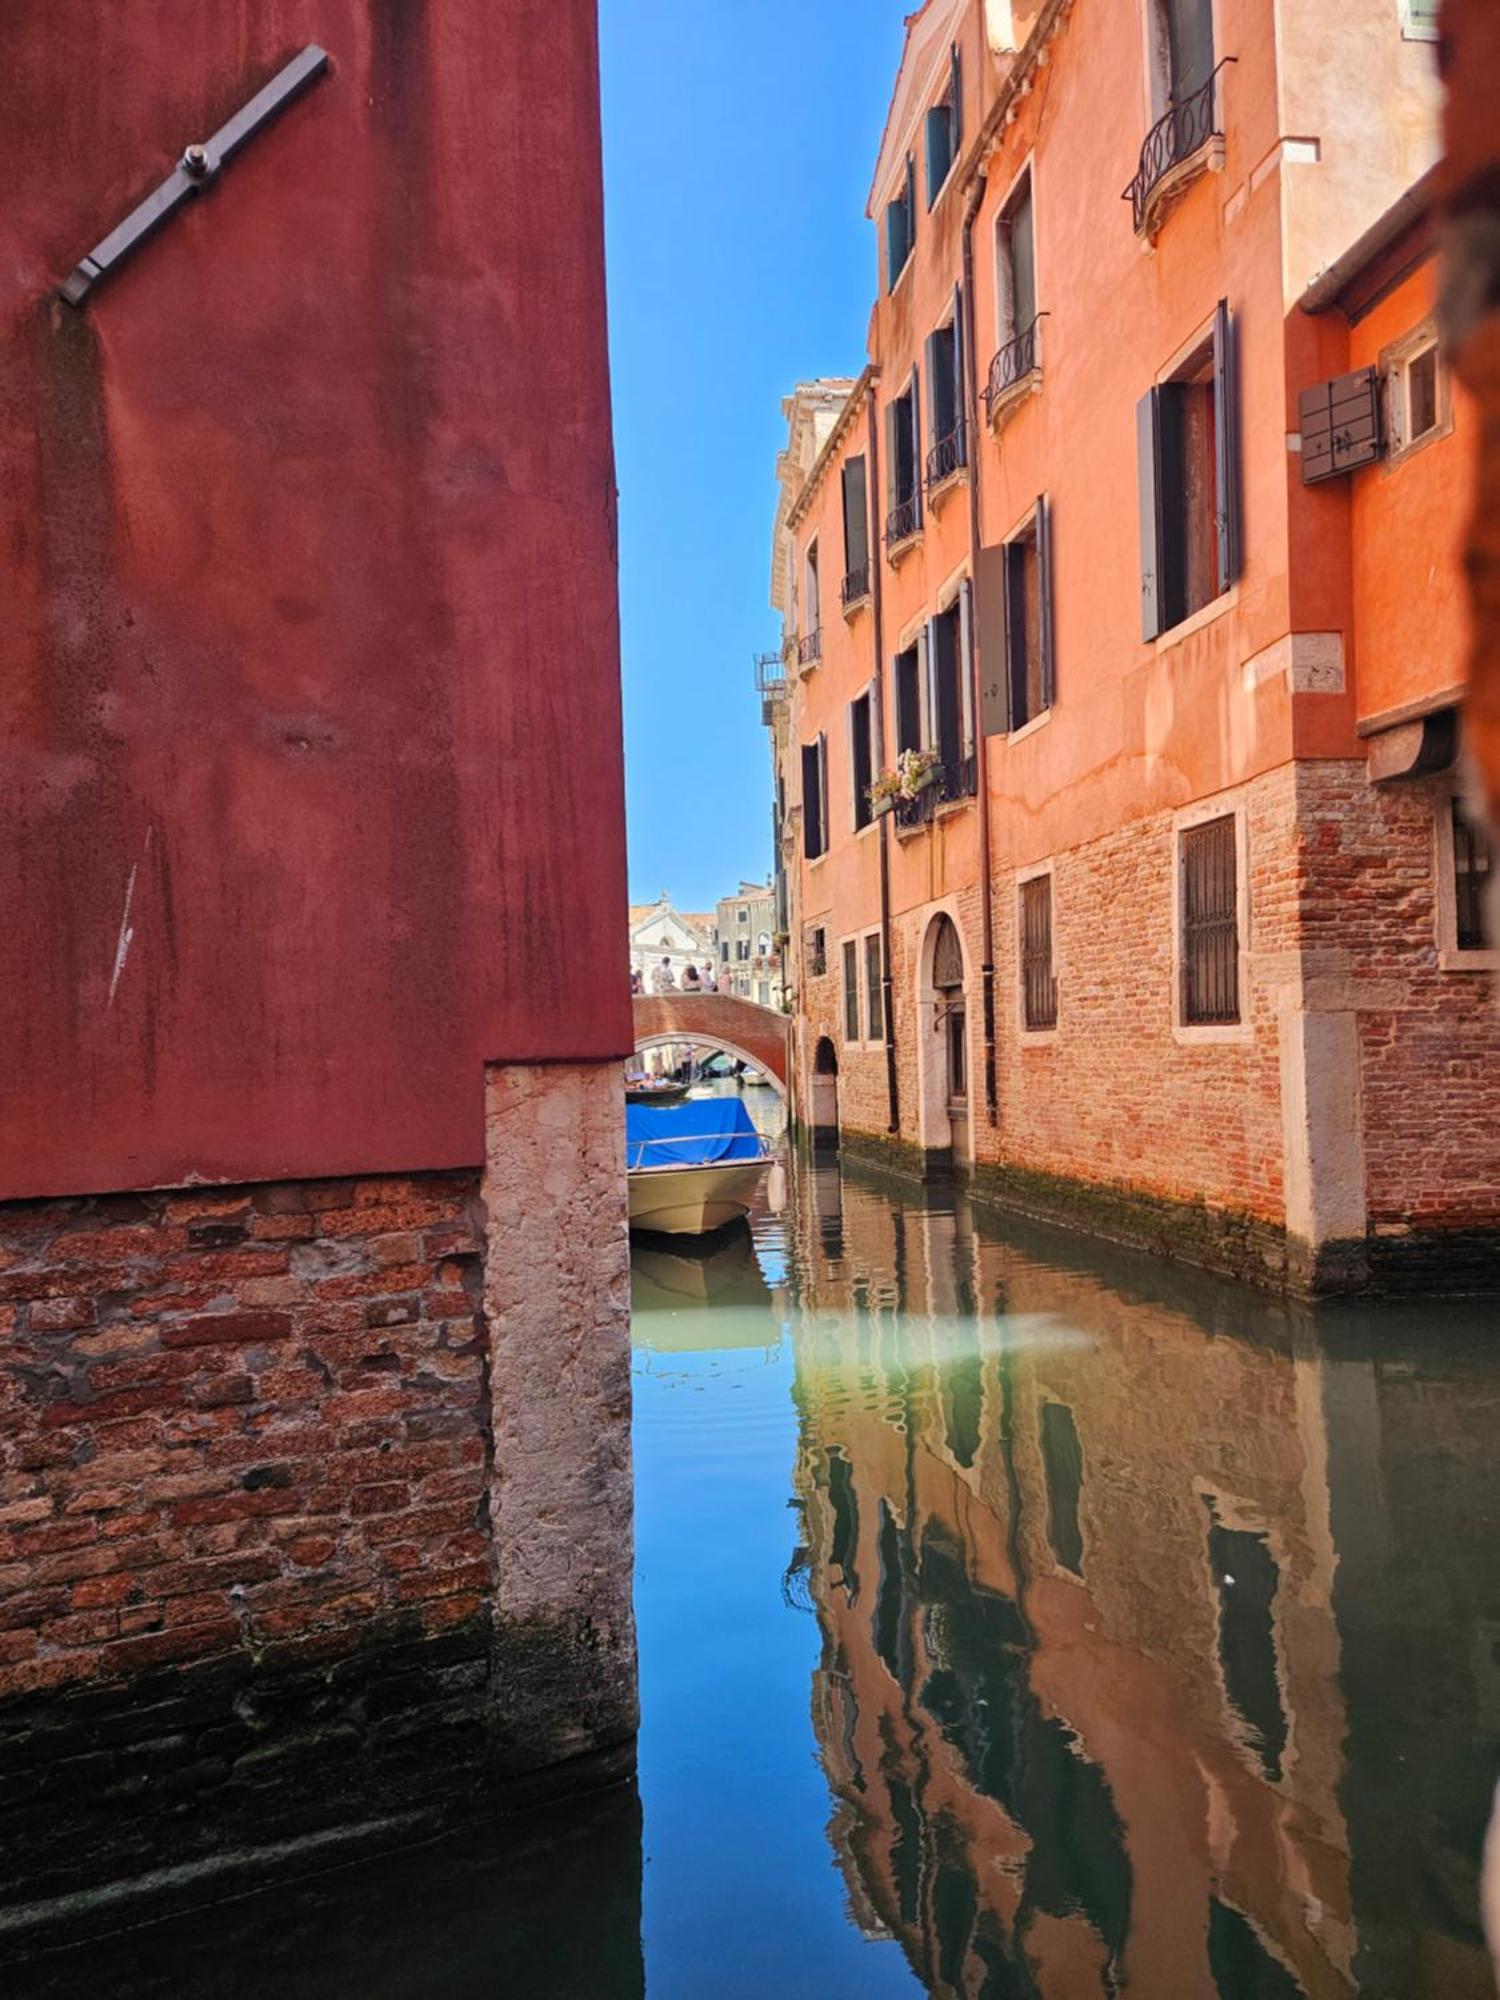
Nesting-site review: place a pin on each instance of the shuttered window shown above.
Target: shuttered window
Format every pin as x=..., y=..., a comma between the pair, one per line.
x=874, y=989
x=1471, y=874
x=1340, y=422
x=1210, y=925
x=817, y=952
x=944, y=131
x=901, y=227
x=909, y=699
x=815, y=798
x=1025, y=612
x=861, y=756
x=851, y=990
x=1038, y=980
x=856, y=533
x=1188, y=453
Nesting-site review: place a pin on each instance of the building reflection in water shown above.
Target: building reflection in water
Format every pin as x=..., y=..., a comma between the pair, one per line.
x=1158, y=1621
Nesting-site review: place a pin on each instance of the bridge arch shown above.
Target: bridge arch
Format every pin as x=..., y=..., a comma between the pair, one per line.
x=754, y=1035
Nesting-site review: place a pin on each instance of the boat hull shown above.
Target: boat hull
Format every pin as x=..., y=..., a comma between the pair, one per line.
x=693, y=1201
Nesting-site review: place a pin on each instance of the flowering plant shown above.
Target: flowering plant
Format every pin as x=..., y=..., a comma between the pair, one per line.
x=912, y=773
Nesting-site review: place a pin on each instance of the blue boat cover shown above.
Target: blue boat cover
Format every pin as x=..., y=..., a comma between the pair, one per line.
x=703, y=1132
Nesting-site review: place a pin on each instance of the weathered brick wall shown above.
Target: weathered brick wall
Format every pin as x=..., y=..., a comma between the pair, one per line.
x=242, y=1514
x=1429, y=1036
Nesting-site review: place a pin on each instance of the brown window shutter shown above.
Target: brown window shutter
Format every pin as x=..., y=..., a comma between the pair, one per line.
x=989, y=611
x=1340, y=425
x=1227, y=444
x=1148, y=454
x=1044, y=564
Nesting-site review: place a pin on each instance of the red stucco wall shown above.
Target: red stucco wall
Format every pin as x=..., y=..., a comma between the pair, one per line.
x=310, y=777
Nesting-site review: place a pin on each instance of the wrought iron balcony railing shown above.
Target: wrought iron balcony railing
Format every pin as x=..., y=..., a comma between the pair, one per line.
x=810, y=648
x=1016, y=360
x=770, y=676
x=903, y=520
x=949, y=455
x=1178, y=134
x=856, y=586
x=955, y=781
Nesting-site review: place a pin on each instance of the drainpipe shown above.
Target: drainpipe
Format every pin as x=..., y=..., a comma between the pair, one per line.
x=892, y=1086
x=981, y=755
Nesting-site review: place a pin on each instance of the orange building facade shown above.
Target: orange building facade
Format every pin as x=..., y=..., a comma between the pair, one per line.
x=1124, y=859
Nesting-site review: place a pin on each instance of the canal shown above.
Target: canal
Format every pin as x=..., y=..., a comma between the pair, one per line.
x=1017, y=1617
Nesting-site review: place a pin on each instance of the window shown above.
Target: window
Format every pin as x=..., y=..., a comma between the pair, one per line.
x=945, y=403
x=862, y=756
x=742, y=916
x=724, y=951
x=856, y=586
x=901, y=227
x=1210, y=924
x=763, y=945
x=944, y=130
x=1419, y=20
x=810, y=645
x=874, y=989
x=903, y=459
x=1015, y=625
x=1184, y=50
x=1015, y=268
x=817, y=952
x=1469, y=858
x=742, y=950
x=763, y=992
x=1189, y=483
x=909, y=699
x=815, y=797
x=1416, y=390
x=1038, y=980
x=947, y=707
x=851, y=990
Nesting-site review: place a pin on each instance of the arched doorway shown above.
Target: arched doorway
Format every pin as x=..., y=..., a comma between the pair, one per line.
x=944, y=1050
x=824, y=1094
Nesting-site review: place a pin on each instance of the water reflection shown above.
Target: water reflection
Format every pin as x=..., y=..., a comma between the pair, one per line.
x=1158, y=1622
x=1152, y=1629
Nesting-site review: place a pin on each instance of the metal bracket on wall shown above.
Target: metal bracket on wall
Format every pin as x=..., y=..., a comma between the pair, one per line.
x=199, y=165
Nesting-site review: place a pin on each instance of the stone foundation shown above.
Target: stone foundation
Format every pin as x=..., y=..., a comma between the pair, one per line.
x=314, y=1503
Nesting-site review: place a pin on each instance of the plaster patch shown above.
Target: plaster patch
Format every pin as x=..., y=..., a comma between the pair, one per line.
x=1310, y=662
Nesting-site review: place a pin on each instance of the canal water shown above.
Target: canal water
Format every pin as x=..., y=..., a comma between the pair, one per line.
x=1017, y=1618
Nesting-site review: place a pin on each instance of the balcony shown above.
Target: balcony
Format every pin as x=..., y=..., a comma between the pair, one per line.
x=903, y=522
x=1015, y=371
x=1187, y=140
x=770, y=684
x=855, y=588
x=810, y=648
x=948, y=457
x=955, y=782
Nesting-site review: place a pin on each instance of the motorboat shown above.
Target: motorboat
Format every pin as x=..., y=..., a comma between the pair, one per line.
x=692, y=1167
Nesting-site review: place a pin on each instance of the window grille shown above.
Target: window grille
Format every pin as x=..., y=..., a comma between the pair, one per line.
x=1210, y=925
x=1471, y=874
x=1038, y=980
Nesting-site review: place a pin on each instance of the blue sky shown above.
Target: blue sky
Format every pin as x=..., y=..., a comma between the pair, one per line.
x=739, y=140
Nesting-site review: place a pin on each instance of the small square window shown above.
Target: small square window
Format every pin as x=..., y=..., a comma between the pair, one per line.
x=1417, y=404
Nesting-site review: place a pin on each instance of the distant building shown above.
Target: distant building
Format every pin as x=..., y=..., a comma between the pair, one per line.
x=749, y=955
x=658, y=931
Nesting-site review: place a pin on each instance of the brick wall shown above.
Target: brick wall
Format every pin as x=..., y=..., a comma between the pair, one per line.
x=242, y=1515
x=1190, y=1131
x=1429, y=1036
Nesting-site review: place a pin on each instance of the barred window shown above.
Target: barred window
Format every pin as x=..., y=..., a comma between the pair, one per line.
x=1038, y=980
x=1210, y=925
x=851, y=990
x=1471, y=874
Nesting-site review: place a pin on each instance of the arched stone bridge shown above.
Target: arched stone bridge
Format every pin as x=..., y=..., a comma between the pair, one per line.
x=757, y=1035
